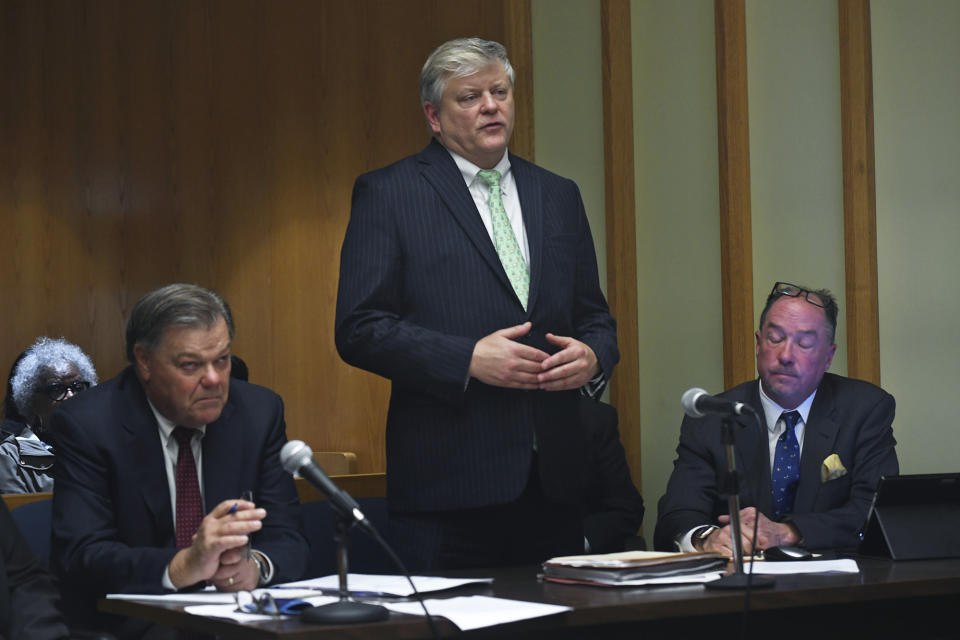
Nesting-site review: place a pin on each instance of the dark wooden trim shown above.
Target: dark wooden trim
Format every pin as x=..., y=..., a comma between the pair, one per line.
x=859, y=191
x=519, y=44
x=733, y=140
x=621, y=219
x=14, y=500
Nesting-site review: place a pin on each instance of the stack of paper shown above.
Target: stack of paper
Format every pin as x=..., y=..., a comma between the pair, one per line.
x=636, y=568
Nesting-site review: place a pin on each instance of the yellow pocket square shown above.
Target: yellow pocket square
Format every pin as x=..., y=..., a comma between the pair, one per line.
x=832, y=468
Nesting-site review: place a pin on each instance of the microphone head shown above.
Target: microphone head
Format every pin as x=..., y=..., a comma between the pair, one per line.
x=294, y=455
x=689, y=402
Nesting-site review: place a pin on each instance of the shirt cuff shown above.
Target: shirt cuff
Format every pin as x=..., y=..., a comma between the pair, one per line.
x=685, y=543
x=167, y=584
x=593, y=389
x=267, y=576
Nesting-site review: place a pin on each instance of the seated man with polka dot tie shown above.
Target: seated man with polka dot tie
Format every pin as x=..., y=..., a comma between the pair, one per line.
x=153, y=469
x=808, y=472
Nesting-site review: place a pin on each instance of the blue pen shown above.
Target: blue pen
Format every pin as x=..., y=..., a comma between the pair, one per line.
x=233, y=509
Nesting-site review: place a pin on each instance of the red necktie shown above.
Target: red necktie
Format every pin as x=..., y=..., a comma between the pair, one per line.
x=189, y=505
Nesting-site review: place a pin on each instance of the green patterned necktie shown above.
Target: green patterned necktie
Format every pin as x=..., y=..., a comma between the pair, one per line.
x=504, y=239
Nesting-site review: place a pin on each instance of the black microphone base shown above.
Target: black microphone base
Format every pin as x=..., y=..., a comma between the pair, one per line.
x=345, y=612
x=739, y=581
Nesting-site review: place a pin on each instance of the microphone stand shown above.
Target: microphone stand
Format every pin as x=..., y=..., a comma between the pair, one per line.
x=729, y=484
x=346, y=610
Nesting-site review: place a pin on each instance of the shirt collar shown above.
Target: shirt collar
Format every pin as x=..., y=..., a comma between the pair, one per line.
x=167, y=426
x=772, y=410
x=469, y=170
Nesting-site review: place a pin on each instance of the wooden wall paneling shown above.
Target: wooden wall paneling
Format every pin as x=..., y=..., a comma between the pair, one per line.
x=519, y=44
x=859, y=191
x=214, y=142
x=621, y=214
x=736, y=252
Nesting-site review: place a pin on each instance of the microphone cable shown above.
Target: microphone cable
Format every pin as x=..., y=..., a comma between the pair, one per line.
x=372, y=531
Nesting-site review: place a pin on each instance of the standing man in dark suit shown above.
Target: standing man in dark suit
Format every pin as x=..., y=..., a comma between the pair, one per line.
x=152, y=466
x=808, y=472
x=468, y=278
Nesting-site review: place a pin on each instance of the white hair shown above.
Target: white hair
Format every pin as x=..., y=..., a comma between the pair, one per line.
x=55, y=355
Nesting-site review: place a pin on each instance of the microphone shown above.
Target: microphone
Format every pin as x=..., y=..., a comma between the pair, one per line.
x=697, y=403
x=296, y=457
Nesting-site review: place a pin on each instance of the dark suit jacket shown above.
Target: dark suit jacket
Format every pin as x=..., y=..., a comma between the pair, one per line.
x=113, y=527
x=420, y=284
x=849, y=417
x=28, y=595
x=613, y=508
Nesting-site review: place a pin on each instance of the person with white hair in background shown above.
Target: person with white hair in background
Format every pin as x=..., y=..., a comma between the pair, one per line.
x=48, y=373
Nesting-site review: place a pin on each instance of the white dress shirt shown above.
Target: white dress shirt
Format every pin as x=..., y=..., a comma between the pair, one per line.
x=775, y=426
x=171, y=451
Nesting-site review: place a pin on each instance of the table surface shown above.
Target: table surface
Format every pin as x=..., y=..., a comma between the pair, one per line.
x=880, y=584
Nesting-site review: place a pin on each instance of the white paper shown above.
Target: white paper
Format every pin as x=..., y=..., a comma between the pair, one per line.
x=845, y=565
x=397, y=586
x=208, y=596
x=692, y=578
x=474, y=612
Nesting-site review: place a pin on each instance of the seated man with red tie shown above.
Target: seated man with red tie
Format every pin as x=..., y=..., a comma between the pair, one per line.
x=152, y=464
x=808, y=471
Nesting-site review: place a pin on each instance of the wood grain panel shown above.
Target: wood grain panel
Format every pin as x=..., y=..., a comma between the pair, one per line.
x=736, y=248
x=519, y=45
x=621, y=216
x=214, y=142
x=859, y=191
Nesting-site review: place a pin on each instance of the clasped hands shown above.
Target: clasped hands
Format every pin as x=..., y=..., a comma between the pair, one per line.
x=219, y=549
x=499, y=360
x=769, y=533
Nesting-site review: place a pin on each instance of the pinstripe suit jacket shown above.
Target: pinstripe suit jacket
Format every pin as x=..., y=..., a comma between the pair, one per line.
x=420, y=284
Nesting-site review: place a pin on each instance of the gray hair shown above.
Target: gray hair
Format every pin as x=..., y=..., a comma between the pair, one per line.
x=47, y=354
x=456, y=59
x=830, y=307
x=175, y=305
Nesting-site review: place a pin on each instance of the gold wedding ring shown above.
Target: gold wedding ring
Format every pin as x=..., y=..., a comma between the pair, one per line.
x=230, y=581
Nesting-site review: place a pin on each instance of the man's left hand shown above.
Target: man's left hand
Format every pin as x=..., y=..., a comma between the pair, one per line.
x=570, y=368
x=236, y=572
x=769, y=533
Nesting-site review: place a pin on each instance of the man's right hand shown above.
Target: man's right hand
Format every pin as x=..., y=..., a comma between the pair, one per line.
x=769, y=533
x=219, y=531
x=500, y=361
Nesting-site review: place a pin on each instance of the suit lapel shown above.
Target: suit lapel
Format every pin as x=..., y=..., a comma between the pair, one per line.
x=223, y=446
x=531, y=203
x=141, y=438
x=752, y=444
x=819, y=437
x=441, y=172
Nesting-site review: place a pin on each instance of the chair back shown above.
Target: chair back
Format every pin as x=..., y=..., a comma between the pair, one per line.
x=364, y=554
x=34, y=520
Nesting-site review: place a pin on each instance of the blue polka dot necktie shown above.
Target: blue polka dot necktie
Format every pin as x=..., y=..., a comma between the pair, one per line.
x=786, y=465
x=504, y=240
